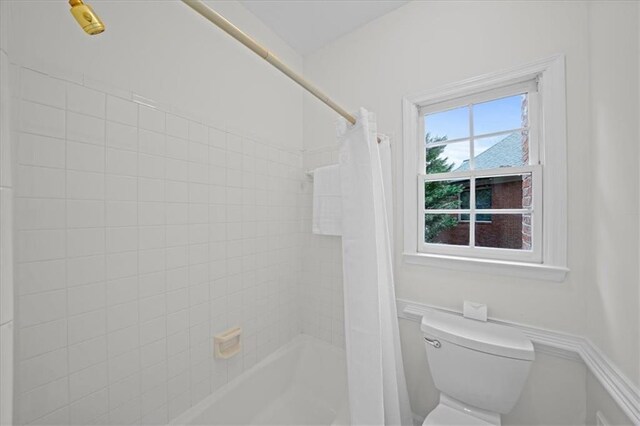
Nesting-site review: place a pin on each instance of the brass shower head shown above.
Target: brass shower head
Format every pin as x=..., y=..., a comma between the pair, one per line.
x=86, y=17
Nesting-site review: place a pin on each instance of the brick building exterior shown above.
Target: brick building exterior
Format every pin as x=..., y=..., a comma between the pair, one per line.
x=503, y=231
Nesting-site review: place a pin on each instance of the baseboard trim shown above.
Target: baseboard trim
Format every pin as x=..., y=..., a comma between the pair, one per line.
x=563, y=345
x=621, y=389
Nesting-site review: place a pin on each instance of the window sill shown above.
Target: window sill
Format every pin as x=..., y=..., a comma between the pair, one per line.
x=498, y=267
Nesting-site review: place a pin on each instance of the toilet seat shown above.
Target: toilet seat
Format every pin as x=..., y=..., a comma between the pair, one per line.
x=444, y=415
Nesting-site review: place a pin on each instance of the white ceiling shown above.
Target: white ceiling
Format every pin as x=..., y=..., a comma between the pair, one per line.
x=307, y=25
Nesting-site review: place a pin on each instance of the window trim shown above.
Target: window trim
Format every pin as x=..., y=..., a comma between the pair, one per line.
x=552, y=157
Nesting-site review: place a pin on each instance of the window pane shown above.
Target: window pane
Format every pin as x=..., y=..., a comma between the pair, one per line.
x=447, y=158
x=499, y=115
x=507, y=231
x=509, y=150
x=483, y=201
x=444, y=194
x=451, y=124
x=504, y=192
x=446, y=229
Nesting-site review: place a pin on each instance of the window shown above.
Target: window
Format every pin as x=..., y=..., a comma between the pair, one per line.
x=479, y=150
x=485, y=175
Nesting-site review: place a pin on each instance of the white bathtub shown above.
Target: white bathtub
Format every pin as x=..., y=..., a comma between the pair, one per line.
x=302, y=383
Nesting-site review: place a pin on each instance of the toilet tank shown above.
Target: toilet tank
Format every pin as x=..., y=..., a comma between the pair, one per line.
x=478, y=363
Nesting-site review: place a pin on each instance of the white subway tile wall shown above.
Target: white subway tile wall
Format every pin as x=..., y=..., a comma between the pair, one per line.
x=140, y=235
x=321, y=291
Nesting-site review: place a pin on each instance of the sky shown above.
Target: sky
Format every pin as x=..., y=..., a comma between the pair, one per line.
x=488, y=117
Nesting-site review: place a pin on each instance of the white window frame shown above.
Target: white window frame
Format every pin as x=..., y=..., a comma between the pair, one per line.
x=471, y=250
x=548, y=160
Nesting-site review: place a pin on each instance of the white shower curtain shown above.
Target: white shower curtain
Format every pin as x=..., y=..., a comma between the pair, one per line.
x=377, y=387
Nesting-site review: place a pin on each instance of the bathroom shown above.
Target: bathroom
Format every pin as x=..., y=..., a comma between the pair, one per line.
x=163, y=254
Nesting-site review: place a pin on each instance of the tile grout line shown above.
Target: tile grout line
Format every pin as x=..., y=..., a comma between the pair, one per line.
x=66, y=256
x=164, y=269
x=137, y=275
x=105, y=281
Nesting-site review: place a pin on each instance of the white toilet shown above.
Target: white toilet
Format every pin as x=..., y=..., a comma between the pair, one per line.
x=479, y=368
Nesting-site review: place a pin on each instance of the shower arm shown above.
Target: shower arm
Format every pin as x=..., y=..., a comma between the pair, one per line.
x=217, y=19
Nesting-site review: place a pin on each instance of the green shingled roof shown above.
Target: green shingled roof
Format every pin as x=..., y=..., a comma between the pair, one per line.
x=506, y=153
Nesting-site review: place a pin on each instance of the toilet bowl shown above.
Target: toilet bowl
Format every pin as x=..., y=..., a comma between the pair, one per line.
x=480, y=368
x=452, y=412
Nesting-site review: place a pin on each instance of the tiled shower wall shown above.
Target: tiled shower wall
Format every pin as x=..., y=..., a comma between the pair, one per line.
x=321, y=290
x=140, y=235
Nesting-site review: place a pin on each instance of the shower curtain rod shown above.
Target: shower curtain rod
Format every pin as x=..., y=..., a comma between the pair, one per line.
x=213, y=16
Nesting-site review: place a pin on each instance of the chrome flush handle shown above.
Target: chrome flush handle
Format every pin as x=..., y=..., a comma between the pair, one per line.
x=435, y=343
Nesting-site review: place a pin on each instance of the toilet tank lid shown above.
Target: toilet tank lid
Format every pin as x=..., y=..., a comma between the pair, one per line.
x=495, y=339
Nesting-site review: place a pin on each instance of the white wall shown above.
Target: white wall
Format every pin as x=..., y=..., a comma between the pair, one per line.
x=424, y=45
x=613, y=303
x=612, y=296
x=142, y=232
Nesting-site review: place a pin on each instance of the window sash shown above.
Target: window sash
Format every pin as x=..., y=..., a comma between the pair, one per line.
x=471, y=250
x=528, y=86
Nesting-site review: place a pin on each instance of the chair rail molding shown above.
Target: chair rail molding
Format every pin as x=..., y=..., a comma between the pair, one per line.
x=624, y=392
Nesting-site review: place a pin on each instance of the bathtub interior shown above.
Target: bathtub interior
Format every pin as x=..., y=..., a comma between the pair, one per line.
x=303, y=383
